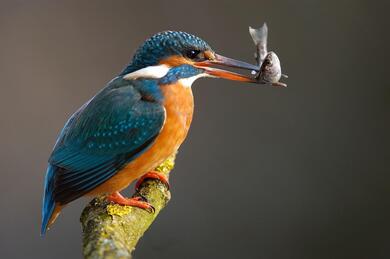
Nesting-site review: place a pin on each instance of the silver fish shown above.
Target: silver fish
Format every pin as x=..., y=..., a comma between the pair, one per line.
x=270, y=70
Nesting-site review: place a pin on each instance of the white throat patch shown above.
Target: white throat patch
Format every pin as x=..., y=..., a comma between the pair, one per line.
x=159, y=71
x=187, y=82
x=154, y=72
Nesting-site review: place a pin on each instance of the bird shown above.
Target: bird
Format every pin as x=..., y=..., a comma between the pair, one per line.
x=133, y=124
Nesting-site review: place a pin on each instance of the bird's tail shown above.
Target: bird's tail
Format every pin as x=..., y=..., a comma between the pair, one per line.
x=49, y=208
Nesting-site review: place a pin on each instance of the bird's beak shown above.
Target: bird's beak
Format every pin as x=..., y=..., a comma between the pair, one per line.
x=218, y=60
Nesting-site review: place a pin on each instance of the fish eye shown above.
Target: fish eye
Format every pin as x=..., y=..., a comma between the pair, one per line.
x=267, y=62
x=192, y=54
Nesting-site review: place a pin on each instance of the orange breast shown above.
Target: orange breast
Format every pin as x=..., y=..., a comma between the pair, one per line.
x=179, y=106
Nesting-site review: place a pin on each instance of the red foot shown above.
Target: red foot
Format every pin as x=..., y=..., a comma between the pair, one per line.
x=153, y=175
x=138, y=202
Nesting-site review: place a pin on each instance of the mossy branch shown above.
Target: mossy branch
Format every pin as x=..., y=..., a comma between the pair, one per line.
x=113, y=231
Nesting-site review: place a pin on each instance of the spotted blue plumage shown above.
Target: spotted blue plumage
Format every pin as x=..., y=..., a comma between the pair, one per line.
x=116, y=126
x=105, y=134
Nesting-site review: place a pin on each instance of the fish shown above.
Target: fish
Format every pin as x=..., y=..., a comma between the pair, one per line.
x=270, y=71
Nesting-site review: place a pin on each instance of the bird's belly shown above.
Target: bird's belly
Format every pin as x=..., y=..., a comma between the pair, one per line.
x=179, y=106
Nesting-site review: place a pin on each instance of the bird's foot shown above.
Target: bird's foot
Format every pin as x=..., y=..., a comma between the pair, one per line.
x=153, y=175
x=139, y=202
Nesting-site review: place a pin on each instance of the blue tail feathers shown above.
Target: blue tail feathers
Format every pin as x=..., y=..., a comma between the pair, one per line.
x=48, y=199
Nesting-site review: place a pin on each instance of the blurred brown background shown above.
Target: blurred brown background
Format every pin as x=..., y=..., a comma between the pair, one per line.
x=301, y=172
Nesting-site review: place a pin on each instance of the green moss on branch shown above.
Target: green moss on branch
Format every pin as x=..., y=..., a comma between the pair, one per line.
x=113, y=231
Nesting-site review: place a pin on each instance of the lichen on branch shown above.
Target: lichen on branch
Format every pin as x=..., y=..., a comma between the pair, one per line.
x=112, y=230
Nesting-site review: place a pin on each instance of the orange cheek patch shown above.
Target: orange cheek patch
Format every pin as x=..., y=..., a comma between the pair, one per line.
x=174, y=61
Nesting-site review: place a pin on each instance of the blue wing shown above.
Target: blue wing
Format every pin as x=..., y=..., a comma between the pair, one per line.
x=108, y=132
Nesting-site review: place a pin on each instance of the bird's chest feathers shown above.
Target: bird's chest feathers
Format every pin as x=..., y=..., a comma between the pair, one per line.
x=179, y=105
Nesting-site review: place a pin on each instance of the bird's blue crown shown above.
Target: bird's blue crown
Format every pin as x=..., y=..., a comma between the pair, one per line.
x=163, y=45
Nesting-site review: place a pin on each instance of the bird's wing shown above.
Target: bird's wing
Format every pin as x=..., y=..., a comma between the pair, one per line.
x=115, y=127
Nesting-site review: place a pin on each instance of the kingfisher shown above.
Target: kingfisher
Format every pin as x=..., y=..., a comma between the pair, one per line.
x=138, y=120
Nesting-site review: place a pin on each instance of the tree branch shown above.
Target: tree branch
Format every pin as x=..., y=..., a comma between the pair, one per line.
x=113, y=231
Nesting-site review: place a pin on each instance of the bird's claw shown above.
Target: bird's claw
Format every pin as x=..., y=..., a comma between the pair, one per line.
x=145, y=203
x=153, y=175
x=138, y=201
x=140, y=198
x=150, y=209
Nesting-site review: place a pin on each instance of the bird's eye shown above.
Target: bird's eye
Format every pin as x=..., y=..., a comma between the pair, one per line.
x=192, y=54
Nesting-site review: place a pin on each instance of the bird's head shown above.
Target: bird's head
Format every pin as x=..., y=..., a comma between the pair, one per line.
x=173, y=55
